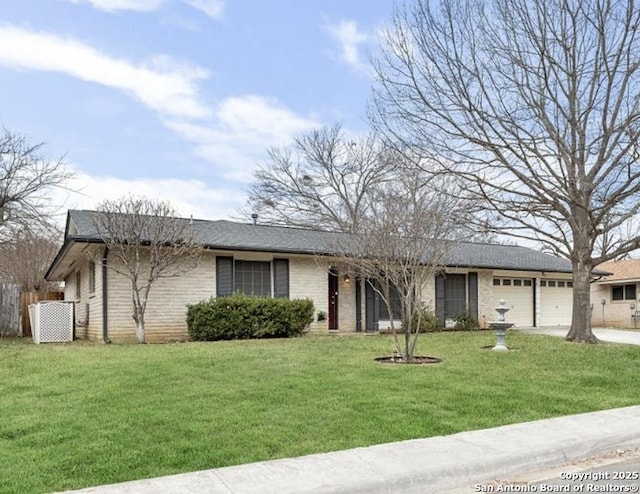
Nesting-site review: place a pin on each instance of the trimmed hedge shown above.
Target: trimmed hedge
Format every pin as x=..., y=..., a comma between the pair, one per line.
x=240, y=317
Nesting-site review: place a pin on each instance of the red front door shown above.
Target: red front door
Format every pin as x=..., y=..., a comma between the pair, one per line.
x=333, y=300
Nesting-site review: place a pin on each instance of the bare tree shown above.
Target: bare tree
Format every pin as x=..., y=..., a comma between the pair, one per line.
x=26, y=182
x=320, y=182
x=146, y=242
x=410, y=227
x=24, y=260
x=536, y=105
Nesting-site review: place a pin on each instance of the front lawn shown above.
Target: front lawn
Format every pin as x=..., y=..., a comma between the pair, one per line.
x=82, y=414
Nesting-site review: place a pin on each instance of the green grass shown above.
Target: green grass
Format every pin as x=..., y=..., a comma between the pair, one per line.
x=81, y=414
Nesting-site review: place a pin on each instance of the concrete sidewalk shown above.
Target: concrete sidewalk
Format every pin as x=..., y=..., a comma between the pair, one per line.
x=603, y=334
x=422, y=465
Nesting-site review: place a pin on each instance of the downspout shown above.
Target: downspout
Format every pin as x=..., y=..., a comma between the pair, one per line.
x=105, y=319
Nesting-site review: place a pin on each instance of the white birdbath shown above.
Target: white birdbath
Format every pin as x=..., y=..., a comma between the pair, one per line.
x=500, y=326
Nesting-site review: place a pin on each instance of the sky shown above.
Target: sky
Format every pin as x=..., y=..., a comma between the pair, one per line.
x=181, y=99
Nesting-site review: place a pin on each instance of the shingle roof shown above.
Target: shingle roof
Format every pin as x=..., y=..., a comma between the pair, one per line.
x=627, y=270
x=228, y=235
x=511, y=257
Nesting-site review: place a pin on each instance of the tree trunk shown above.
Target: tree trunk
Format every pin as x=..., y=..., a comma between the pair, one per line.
x=408, y=354
x=407, y=326
x=140, y=331
x=581, y=314
x=138, y=312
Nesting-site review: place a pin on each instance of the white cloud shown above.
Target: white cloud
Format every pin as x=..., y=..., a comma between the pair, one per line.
x=162, y=84
x=233, y=135
x=245, y=127
x=115, y=5
x=349, y=38
x=212, y=8
x=189, y=197
x=261, y=117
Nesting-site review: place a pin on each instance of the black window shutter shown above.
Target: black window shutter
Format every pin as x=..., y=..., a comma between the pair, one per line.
x=440, y=299
x=371, y=307
x=281, y=278
x=473, y=294
x=224, y=276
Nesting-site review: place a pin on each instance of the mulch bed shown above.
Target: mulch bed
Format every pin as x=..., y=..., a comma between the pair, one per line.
x=417, y=360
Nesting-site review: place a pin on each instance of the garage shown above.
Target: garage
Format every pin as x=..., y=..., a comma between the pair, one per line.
x=518, y=293
x=556, y=299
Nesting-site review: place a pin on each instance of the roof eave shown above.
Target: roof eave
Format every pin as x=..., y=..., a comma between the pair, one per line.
x=64, y=250
x=618, y=281
x=271, y=250
x=503, y=268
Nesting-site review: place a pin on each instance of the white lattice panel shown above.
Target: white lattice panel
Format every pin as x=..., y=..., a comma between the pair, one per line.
x=52, y=321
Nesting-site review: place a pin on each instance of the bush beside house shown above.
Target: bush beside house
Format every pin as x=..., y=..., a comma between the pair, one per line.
x=428, y=323
x=241, y=317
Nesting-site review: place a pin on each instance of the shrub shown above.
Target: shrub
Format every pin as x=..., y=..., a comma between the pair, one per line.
x=465, y=321
x=240, y=317
x=428, y=321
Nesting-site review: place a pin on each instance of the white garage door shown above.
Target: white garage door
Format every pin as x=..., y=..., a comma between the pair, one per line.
x=556, y=297
x=518, y=295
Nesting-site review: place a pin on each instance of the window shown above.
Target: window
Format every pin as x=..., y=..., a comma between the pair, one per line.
x=78, y=285
x=617, y=292
x=253, y=278
x=630, y=292
x=556, y=283
x=517, y=282
x=623, y=292
x=396, y=306
x=506, y=282
x=527, y=282
x=496, y=282
x=92, y=277
x=455, y=294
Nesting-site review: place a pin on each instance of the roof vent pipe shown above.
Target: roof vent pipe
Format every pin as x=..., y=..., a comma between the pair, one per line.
x=254, y=217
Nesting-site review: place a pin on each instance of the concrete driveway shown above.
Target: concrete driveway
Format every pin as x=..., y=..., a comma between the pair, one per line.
x=603, y=334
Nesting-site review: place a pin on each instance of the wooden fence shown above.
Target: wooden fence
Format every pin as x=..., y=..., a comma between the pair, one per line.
x=9, y=309
x=27, y=298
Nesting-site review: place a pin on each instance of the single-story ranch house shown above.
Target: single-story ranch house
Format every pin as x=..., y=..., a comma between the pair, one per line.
x=295, y=263
x=615, y=297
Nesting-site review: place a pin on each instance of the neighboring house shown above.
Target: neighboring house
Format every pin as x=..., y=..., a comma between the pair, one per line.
x=615, y=298
x=295, y=263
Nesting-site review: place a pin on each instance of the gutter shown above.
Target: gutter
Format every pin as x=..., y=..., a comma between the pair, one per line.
x=68, y=243
x=59, y=256
x=105, y=318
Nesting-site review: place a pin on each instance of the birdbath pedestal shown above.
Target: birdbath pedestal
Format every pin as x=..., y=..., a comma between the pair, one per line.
x=500, y=326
